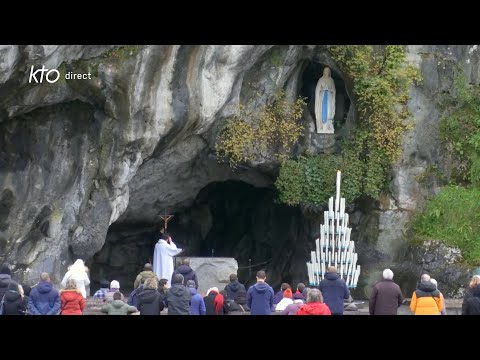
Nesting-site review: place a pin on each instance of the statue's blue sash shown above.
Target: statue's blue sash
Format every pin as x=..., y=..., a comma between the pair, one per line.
x=325, y=106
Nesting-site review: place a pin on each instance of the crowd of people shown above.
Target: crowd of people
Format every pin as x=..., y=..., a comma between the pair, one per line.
x=152, y=296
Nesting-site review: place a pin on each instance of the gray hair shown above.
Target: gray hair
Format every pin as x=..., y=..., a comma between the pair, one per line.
x=434, y=282
x=388, y=274
x=314, y=295
x=425, y=277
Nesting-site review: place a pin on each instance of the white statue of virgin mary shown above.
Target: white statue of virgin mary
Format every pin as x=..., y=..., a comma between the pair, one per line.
x=325, y=103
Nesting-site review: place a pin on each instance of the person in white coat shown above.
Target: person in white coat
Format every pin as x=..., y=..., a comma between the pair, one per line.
x=165, y=250
x=78, y=273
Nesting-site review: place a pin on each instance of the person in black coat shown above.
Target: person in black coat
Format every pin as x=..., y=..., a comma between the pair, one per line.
x=5, y=279
x=149, y=300
x=187, y=272
x=178, y=297
x=239, y=306
x=13, y=301
x=234, y=287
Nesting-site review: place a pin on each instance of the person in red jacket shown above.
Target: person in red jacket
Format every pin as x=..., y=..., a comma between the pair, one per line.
x=314, y=305
x=72, y=300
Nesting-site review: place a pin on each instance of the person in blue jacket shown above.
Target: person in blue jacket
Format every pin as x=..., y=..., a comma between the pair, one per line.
x=260, y=296
x=334, y=291
x=44, y=298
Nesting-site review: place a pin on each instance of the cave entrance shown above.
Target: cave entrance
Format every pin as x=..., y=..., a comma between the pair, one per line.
x=314, y=71
x=226, y=219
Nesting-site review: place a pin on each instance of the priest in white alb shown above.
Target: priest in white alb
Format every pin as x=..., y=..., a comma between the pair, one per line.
x=165, y=250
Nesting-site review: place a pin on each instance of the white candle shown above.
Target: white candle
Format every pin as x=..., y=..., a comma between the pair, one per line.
x=337, y=200
x=322, y=235
x=342, y=208
x=357, y=274
x=310, y=274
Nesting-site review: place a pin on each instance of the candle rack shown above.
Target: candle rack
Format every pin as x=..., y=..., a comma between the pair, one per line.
x=334, y=247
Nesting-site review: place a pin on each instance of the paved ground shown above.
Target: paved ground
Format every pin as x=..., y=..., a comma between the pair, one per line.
x=454, y=307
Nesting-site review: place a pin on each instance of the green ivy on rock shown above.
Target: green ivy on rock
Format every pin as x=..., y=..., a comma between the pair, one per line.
x=381, y=81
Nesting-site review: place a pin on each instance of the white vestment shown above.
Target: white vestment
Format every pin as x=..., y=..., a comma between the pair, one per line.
x=163, y=259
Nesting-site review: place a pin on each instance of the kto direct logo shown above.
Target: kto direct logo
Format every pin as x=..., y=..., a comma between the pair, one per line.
x=51, y=76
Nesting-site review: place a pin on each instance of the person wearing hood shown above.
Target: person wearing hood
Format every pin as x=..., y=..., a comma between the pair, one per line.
x=71, y=299
x=426, y=298
x=78, y=273
x=314, y=305
x=149, y=300
x=13, y=303
x=334, y=291
x=287, y=300
x=234, y=287
x=5, y=279
x=144, y=275
x=239, y=306
x=44, y=298
x=187, y=272
x=214, y=302
x=178, y=297
x=260, y=296
x=197, y=306
x=293, y=308
x=118, y=307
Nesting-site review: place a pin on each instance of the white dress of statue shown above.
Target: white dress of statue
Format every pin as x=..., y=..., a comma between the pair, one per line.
x=325, y=103
x=163, y=259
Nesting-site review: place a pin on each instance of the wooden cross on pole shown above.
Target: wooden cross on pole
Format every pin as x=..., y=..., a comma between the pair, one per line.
x=165, y=219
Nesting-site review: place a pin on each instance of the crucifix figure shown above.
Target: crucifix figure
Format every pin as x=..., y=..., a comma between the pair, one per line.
x=165, y=219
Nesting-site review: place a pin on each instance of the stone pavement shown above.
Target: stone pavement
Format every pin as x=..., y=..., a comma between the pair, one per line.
x=454, y=307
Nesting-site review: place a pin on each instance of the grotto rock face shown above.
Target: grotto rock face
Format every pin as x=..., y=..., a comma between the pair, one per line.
x=69, y=150
x=384, y=230
x=138, y=137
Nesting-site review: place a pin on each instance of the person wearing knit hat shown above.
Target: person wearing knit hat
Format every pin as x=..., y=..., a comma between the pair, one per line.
x=114, y=287
x=287, y=300
x=5, y=279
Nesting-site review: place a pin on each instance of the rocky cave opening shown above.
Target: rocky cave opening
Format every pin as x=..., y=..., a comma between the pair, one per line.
x=227, y=219
x=311, y=73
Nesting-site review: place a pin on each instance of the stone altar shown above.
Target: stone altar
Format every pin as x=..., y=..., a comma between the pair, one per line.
x=211, y=271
